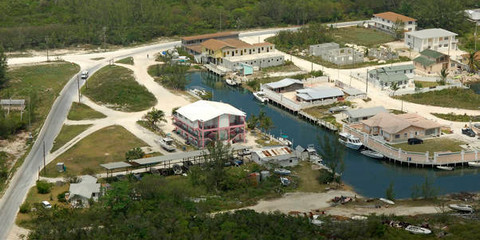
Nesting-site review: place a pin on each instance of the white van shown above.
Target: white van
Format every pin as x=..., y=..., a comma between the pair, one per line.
x=46, y=204
x=84, y=74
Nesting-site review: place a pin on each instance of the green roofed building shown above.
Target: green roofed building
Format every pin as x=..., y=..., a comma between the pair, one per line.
x=431, y=62
x=384, y=77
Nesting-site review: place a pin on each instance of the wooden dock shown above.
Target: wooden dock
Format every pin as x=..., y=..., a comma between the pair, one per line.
x=317, y=121
x=218, y=70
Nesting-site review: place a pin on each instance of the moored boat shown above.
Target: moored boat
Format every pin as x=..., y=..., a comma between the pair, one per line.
x=474, y=164
x=445, y=168
x=387, y=201
x=282, y=171
x=372, y=154
x=232, y=82
x=461, y=207
x=350, y=141
x=284, y=141
x=418, y=230
x=260, y=96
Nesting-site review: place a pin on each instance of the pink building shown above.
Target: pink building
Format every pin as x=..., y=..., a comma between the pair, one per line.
x=204, y=121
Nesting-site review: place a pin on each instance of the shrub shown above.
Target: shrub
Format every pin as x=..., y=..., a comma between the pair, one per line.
x=43, y=187
x=61, y=197
x=25, y=207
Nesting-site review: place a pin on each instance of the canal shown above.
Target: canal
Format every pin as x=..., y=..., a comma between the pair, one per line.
x=369, y=177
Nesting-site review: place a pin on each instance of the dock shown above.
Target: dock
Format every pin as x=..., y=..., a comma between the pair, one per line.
x=216, y=69
x=414, y=159
x=317, y=121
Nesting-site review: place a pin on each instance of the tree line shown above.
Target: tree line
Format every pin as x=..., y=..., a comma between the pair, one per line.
x=55, y=24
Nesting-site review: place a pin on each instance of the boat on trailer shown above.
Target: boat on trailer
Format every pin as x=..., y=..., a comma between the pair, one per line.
x=349, y=140
x=372, y=154
x=445, y=168
x=260, y=96
x=418, y=230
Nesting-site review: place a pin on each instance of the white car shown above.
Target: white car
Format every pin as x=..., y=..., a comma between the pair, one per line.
x=84, y=75
x=46, y=204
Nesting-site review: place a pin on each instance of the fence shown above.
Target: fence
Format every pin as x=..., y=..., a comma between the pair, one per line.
x=421, y=158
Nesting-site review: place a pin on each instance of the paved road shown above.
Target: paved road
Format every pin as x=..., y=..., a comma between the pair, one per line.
x=26, y=176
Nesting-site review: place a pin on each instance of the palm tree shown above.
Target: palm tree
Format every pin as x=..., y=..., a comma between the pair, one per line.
x=155, y=116
x=394, y=87
x=443, y=76
x=473, y=62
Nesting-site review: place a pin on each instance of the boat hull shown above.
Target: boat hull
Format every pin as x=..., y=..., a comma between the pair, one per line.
x=372, y=154
x=474, y=164
x=350, y=145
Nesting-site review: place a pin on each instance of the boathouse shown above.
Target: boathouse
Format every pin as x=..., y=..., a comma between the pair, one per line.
x=205, y=121
x=284, y=85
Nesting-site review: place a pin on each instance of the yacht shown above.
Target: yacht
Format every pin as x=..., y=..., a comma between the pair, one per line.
x=350, y=141
x=260, y=96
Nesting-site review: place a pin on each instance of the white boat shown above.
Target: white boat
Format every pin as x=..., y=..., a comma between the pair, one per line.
x=461, y=207
x=260, y=96
x=285, y=181
x=350, y=141
x=358, y=217
x=284, y=141
x=446, y=168
x=315, y=220
x=387, y=201
x=474, y=164
x=232, y=82
x=372, y=154
x=418, y=230
x=167, y=144
x=282, y=171
x=313, y=155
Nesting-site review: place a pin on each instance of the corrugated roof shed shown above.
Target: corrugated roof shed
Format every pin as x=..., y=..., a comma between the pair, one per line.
x=115, y=165
x=311, y=94
x=283, y=83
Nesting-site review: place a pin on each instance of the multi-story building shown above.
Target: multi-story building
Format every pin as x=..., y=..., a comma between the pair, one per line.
x=192, y=43
x=205, y=121
x=384, y=77
x=434, y=38
x=431, y=62
x=387, y=22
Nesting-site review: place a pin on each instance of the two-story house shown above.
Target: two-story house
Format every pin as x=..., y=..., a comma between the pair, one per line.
x=434, y=38
x=431, y=62
x=387, y=22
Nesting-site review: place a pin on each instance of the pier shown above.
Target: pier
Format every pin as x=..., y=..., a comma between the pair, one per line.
x=216, y=69
x=414, y=159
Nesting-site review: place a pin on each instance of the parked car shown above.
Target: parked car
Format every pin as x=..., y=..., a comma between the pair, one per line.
x=413, y=141
x=84, y=75
x=46, y=204
x=469, y=132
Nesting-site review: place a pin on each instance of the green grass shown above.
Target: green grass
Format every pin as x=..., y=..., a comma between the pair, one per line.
x=433, y=145
x=424, y=84
x=80, y=111
x=67, y=133
x=361, y=36
x=106, y=145
x=457, y=117
x=287, y=67
x=116, y=87
x=452, y=97
x=43, y=80
x=308, y=178
x=127, y=60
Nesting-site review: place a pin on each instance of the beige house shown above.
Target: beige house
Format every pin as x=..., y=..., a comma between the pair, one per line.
x=399, y=128
x=431, y=62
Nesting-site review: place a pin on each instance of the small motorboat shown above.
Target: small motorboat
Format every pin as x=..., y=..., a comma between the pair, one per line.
x=260, y=96
x=474, y=164
x=418, y=230
x=349, y=140
x=284, y=141
x=445, y=168
x=372, y=154
x=232, y=82
x=358, y=217
x=282, y=171
x=387, y=201
x=315, y=220
x=461, y=207
x=285, y=181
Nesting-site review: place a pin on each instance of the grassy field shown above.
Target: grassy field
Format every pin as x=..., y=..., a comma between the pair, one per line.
x=127, y=60
x=106, y=145
x=116, y=87
x=452, y=97
x=80, y=111
x=361, y=36
x=287, y=67
x=308, y=178
x=41, y=82
x=457, y=117
x=67, y=133
x=424, y=84
x=433, y=145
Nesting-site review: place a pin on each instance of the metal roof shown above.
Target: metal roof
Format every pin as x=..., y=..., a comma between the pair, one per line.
x=319, y=93
x=115, y=165
x=178, y=156
x=365, y=112
x=431, y=53
x=352, y=91
x=392, y=77
x=12, y=102
x=394, y=17
x=431, y=33
x=211, y=35
x=84, y=189
x=204, y=110
x=283, y=83
x=424, y=61
x=274, y=151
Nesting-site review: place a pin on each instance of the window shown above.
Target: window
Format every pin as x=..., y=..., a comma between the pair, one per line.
x=405, y=135
x=445, y=45
x=397, y=135
x=416, y=133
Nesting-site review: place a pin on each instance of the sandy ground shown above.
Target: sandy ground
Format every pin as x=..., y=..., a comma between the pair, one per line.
x=17, y=233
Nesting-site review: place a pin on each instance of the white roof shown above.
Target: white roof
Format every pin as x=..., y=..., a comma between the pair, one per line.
x=84, y=189
x=283, y=83
x=12, y=102
x=432, y=33
x=473, y=14
x=319, y=93
x=204, y=110
x=88, y=179
x=251, y=57
x=365, y=112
